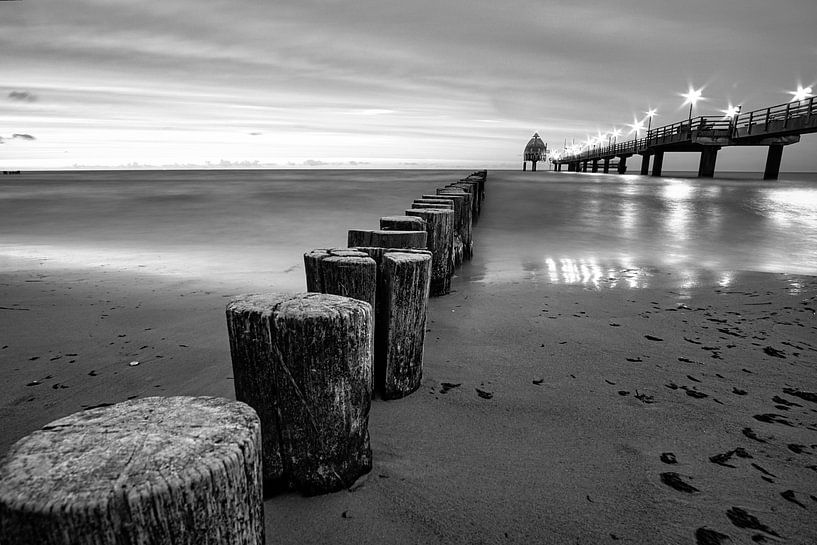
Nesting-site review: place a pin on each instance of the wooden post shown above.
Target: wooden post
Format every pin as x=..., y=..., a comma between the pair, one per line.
x=441, y=203
x=440, y=229
x=388, y=239
x=158, y=470
x=457, y=246
x=421, y=205
x=341, y=272
x=402, y=223
x=472, y=189
x=403, y=282
x=462, y=216
x=304, y=363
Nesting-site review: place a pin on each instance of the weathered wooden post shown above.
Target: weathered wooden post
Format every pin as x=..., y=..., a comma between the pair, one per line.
x=304, y=363
x=440, y=229
x=158, y=470
x=341, y=272
x=402, y=223
x=457, y=244
x=431, y=203
x=388, y=238
x=462, y=216
x=471, y=188
x=403, y=282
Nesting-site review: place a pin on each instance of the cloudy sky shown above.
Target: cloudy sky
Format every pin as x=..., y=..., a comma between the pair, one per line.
x=380, y=83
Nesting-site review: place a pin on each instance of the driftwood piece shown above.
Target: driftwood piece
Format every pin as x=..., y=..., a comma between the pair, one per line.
x=341, y=271
x=388, y=238
x=462, y=216
x=403, y=283
x=157, y=470
x=304, y=362
x=402, y=223
x=440, y=229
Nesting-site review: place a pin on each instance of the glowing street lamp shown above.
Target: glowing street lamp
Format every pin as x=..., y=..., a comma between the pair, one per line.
x=650, y=113
x=693, y=96
x=615, y=134
x=801, y=93
x=731, y=111
x=635, y=127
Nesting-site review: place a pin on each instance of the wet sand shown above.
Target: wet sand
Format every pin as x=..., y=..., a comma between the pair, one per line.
x=548, y=413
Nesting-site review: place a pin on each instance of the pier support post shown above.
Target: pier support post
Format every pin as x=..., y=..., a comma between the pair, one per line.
x=645, y=164
x=533, y=166
x=706, y=168
x=524, y=166
x=658, y=163
x=622, y=165
x=571, y=167
x=606, y=165
x=773, y=162
x=584, y=166
x=595, y=165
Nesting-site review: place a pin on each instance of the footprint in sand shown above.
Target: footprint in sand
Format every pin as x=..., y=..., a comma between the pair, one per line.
x=446, y=386
x=668, y=458
x=740, y=518
x=483, y=394
x=674, y=480
x=788, y=495
x=721, y=459
x=707, y=536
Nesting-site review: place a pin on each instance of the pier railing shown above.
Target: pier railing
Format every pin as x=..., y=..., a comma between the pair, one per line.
x=780, y=120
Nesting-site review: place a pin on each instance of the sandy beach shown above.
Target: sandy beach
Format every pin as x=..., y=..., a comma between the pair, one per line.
x=591, y=412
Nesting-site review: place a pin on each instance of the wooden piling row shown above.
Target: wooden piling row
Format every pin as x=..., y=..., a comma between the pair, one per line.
x=190, y=469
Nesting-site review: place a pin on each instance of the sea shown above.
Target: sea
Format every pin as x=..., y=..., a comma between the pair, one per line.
x=251, y=228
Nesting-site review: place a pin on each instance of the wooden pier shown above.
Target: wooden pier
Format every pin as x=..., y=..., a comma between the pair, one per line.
x=773, y=127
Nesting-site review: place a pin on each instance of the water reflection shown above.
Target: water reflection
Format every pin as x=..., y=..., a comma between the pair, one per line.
x=605, y=232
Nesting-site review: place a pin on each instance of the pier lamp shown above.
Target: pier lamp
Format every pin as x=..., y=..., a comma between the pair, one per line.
x=650, y=114
x=691, y=97
x=801, y=93
x=635, y=127
x=731, y=113
x=615, y=134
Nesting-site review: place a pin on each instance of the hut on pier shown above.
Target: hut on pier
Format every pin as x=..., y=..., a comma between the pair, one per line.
x=535, y=151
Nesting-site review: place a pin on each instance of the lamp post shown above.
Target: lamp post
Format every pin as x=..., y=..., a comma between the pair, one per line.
x=731, y=113
x=650, y=114
x=692, y=96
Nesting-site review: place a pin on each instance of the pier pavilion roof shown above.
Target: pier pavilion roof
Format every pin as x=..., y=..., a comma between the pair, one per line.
x=536, y=149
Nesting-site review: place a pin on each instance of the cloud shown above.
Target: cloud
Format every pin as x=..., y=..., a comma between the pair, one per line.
x=22, y=96
x=16, y=136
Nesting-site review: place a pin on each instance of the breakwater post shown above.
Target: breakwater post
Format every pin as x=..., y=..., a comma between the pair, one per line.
x=161, y=470
x=341, y=272
x=440, y=229
x=387, y=238
x=304, y=363
x=403, y=281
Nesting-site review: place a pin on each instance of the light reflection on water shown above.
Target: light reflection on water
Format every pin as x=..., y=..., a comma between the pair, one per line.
x=635, y=231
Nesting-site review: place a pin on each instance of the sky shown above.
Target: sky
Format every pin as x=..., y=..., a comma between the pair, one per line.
x=381, y=83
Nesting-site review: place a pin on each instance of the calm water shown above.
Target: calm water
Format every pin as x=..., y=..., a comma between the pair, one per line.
x=252, y=227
